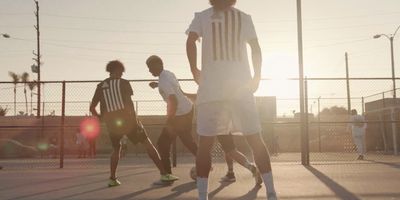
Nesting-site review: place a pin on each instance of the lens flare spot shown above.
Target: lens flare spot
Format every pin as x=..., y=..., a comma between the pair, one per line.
x=42, y=146
x=90, y=127
x=118, y=122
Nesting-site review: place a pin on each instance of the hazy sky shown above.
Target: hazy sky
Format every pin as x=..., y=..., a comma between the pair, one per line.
x=78, y=37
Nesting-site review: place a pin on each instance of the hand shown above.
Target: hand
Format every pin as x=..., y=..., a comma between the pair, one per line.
x=153, y=84
x=196, y=75
x=254, y=83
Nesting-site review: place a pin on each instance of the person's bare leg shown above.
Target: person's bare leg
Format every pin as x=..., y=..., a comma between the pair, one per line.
x=153, y=154
x=262, y=160
x=229, y=162
x=115, y=155
x=240, y=158
x=203, y=165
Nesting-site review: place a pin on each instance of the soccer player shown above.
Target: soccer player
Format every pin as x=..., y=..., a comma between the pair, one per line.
x=179, y=111
x=225, y=95
x=117, y=111
x=179, y=122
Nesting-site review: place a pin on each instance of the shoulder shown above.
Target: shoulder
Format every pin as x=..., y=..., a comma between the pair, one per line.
x=241, y=12
x=124, y=81
x=100, y=85
x=246, y=17
x=204, y=13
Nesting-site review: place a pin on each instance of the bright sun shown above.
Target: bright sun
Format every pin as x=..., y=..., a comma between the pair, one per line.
x=279, y=67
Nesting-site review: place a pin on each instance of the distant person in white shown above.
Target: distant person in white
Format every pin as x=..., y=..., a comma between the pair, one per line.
x=225, y=101
x=358, y=127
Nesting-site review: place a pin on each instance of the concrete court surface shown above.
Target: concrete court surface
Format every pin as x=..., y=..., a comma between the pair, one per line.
x=369, y=179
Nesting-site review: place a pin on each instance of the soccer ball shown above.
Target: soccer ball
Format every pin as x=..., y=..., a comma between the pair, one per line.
x=193, y=173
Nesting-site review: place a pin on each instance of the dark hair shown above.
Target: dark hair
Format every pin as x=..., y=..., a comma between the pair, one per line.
x=222, y=2
x=154, y=61
x=354, y=112
x=115, y=65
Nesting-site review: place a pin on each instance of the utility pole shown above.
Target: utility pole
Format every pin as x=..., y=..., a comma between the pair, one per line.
x=305, y=159
x=347, y=84
x=37, y=59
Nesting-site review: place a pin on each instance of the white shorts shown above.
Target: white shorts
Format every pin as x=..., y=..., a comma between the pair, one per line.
x=224, y=117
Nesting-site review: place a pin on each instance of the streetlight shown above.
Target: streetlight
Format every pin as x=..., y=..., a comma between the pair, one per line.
x=391, y=38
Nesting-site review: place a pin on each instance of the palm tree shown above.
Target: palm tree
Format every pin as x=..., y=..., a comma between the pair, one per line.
x=31, y=86
x=25, y=79
x=15, y=79
x=3, y=111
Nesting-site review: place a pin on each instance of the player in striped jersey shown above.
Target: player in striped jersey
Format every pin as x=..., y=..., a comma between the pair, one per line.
x=117, y=111
x=226, y=85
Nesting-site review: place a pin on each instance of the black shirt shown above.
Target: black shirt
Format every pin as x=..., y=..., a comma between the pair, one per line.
x=113, y=95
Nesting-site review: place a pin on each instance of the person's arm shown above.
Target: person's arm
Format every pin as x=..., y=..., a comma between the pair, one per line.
x=350, y=124
x=191, y=52
x=94, y=103
x=257, y=62
x=365, y=123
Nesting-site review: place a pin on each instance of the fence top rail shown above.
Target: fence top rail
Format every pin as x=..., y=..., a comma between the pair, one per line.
x=265, y=79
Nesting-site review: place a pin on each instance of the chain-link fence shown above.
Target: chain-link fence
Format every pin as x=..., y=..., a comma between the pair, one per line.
x=29, y=141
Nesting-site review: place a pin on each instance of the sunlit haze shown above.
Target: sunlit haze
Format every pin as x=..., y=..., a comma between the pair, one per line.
x=79, y=37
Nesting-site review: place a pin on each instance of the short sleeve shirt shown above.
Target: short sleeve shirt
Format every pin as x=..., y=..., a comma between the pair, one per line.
x=113, y=94
x=169, y=85
x=357, y=121
x=225, y=66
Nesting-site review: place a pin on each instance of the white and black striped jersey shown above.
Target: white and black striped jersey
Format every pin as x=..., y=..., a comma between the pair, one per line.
x=113, y=95
x=224, y=60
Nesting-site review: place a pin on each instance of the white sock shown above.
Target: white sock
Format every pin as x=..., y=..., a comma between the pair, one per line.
x=202, y=187
x=269, y=183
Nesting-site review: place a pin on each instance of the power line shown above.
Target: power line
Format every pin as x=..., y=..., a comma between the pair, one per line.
x=110, y=19
x=108, y=50
x=179, y=22
x=114, y=31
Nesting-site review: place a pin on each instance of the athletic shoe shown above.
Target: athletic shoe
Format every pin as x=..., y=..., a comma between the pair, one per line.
x=256, y=175
x=113, y=182
x=272, y=196
x=360, y=157
x=169, y=178
x=229, y=177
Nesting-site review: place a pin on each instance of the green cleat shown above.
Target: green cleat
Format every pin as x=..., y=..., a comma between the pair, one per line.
x=113, y=182
x=169, y=178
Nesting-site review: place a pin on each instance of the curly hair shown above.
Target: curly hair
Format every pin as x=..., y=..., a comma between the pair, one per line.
x=115, y=65
x=223, y=3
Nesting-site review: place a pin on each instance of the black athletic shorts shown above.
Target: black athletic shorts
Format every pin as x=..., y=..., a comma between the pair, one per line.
x=120, y=124
x=226, y=142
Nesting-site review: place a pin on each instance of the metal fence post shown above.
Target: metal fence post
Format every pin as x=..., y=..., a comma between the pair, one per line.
x=348, y=85
x=305, y=139
x=62, y=126
x=394, y=130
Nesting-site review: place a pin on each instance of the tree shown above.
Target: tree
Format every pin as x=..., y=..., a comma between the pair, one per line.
x=3, y=111
x=31, y=86
x=25, y=79
x=15, y=79
x=334, y=110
